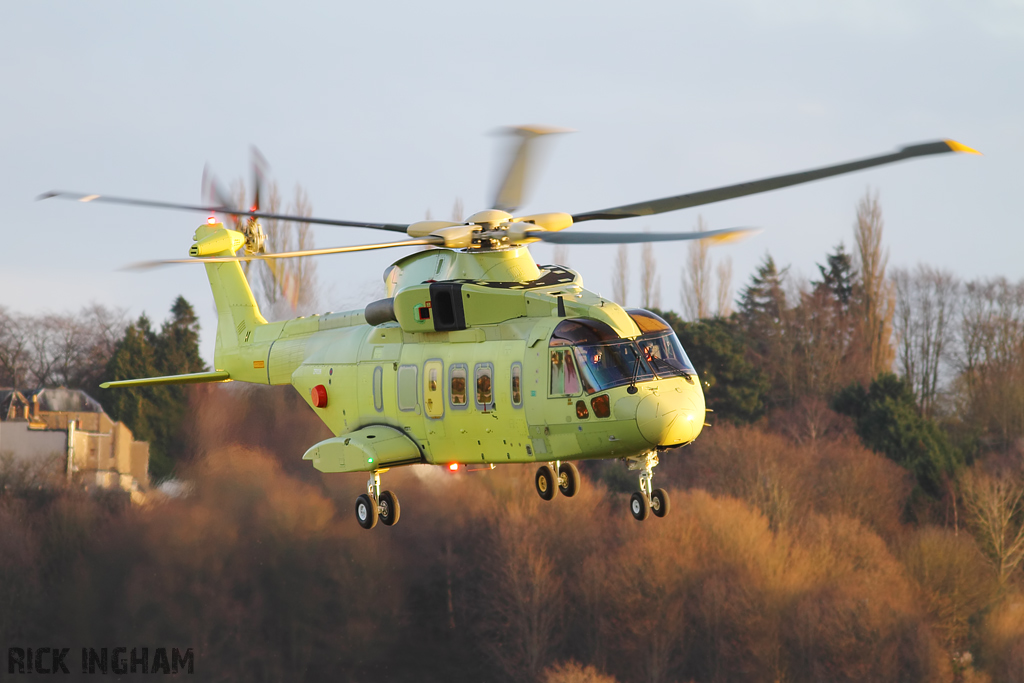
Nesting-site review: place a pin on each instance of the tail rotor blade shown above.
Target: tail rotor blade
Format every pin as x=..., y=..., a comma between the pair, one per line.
x=259, y=173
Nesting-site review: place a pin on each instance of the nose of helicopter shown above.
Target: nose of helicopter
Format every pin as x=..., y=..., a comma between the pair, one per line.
x=669, y=419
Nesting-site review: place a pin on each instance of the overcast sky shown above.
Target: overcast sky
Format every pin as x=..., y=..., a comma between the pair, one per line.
x=384, y=110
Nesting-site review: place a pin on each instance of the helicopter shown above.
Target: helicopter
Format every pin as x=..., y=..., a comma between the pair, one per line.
x=477, y=356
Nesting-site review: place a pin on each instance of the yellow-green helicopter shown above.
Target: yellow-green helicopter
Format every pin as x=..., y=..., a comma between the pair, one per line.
x=478, y=356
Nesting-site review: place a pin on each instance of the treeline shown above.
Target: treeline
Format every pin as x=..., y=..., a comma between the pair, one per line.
x=780, y=561
x=82, y=350
x=855, y=513
x=70, y=349
x=928, y=367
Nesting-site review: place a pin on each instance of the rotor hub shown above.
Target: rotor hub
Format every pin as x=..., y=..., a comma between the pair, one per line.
x=255, y=238
x=490, y=218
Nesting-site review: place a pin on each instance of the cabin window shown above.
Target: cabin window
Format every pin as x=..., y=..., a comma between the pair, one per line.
x=581, y=410
x=564, y=379
x=483, y=376
x=517, y=384
x=457, y=374
x=407, y=387
x=378, y=388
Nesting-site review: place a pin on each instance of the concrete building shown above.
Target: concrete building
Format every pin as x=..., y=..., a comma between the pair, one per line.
x=66, y=431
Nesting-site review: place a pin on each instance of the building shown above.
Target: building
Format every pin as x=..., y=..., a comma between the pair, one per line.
x=66, y=431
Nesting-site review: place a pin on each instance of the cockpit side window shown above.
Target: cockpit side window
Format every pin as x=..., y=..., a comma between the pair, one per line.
x=565, y=380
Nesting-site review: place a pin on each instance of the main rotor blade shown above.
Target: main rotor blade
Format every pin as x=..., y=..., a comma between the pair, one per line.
x=393, y=227
x=433, y=241
x=685, y=201
x=570, y=237
x=512, y=188
x=259, y=170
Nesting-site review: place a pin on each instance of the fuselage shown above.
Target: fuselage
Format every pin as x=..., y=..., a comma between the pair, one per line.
x=483, y=358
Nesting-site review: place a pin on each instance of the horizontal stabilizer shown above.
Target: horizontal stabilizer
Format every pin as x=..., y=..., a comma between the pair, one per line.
x=191, y=378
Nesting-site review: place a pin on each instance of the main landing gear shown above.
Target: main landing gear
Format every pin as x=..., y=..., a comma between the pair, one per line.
x=567, y=481
x=376, y=504
x=645, y=501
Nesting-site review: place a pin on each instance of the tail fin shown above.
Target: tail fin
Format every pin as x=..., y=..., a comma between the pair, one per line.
x=237, y=312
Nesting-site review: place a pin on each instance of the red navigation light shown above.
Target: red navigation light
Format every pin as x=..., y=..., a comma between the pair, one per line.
x=454, y=467
x=318, y=396
x=211, y=220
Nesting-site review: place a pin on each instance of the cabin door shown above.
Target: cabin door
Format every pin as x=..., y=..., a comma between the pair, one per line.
x=434, y=397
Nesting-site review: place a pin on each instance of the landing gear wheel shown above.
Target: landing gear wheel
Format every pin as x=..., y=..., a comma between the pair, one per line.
x=659, y=502
x=545, y=481
x=366, y=511
x=568, y=479
x=639, y=506
x=388, y=507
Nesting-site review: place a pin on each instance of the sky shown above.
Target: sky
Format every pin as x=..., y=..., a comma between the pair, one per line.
x=383, y=111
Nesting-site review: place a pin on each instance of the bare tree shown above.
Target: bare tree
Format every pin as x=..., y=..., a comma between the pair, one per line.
x=724, y=291
x=524, y=614
x=994, y=505
x=989, y=357
x=696, y=286
x=69, y=346
x=877, y=298
x=288, y=286
x=14, y=348
x=650, y=285
x=302, y=292
x=58, y=349
x=925, y=303
x=620, y=278
x=458, y=211
x=43, y=342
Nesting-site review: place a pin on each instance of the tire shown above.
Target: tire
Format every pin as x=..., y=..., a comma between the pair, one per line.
x=389, y=508
x=568, y=479
x=660, y=502
x=366, y=511
x=545, y=482
x=639, y=506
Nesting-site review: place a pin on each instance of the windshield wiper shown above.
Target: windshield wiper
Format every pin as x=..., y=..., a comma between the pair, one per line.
x=636, y=371
x=672, y=370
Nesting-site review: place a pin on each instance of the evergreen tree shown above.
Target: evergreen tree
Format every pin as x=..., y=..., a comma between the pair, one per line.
x=838, y=278
x=763, y=301
x=177, y=353
x=734, y=388
x=764, y=318
x=887, y=420
x=177, y=347
x=825, y=331
x=138, y=408
x=156, y=414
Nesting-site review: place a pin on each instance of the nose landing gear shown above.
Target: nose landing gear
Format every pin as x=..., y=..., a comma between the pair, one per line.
x=376, y=504
x=647, y=500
